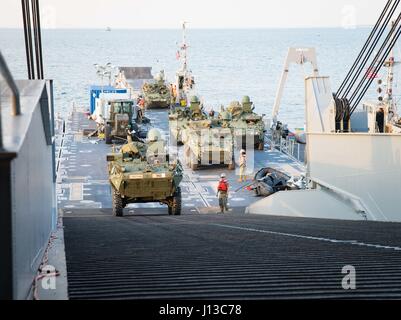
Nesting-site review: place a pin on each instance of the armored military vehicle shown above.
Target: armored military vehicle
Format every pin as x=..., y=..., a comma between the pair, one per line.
x=208, y=143
x=157, y=92
x=119, y=120
x=248, y=127
x=142, y=172
x=180, y=117
x=224, y=119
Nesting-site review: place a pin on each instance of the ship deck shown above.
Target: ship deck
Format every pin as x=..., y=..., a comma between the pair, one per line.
x=202, y=254
x=83, y=179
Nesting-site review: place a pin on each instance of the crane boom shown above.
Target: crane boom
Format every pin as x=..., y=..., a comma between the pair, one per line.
x=298, y=56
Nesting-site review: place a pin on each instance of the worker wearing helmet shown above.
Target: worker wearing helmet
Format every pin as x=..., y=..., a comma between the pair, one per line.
x=247, y=104
x=155, y=145
x=242, y=166
x=173, y=93
x=141, y=104
x=154, y=135
x=225, y=118
x=222, y=193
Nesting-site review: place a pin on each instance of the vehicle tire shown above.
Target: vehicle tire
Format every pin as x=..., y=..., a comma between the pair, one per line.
x=231, y=166
x=193, y=165
x=107, y=134
x=175, y=141
x=117, y=204
x=186, y=156
x=193, y=162
x=177, y=202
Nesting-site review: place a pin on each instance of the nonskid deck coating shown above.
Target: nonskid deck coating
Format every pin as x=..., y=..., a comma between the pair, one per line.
x=231, y=256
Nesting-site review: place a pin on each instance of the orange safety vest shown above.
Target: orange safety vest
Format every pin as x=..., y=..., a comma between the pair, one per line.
x=223, y=186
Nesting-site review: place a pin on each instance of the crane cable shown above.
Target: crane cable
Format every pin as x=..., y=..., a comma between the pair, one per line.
x=379, y=65
x=370, y=51
x=377, y=58
x=32, y=29
x=362, y=52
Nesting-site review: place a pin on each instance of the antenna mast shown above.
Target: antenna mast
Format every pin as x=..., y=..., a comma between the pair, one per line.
x=184, y=46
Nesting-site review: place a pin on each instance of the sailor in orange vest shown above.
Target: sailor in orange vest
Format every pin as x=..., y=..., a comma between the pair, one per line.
x=222, y=193
x=141, y=102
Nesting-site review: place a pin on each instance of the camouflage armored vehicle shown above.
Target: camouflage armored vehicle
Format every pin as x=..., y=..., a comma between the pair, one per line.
x=119, y=120
x=208, y=143
x=248, y=127
x=224, y=119
x=157, y=92
x=180, y=117
x=142, y=172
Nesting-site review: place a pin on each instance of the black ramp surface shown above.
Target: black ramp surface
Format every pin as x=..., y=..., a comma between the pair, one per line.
x=229, y=256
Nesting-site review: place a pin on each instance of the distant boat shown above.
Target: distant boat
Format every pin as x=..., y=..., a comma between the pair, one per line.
x=108, y=29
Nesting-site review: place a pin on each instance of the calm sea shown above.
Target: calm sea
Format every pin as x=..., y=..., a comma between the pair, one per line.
x=227, y=64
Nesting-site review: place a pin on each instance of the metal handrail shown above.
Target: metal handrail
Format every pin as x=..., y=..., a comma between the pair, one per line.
x=15, y=105
x=15, y=100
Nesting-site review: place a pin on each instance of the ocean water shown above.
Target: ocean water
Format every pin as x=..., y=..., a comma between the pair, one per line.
x=227, y=64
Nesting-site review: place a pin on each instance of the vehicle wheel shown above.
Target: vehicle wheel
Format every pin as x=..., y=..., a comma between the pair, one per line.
x=193, y=162
x=186, y=156
x=173, y=140
x=177, y=202
x=231, y=166
x=107, y=134
x=117, y=204
x=194, y=165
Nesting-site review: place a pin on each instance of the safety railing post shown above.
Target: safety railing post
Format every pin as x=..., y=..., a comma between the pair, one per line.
x=15, y=99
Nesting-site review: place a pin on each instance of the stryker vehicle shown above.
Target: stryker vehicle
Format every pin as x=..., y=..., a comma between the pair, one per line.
x=208, y=144
x=119, y=119
x=224, y=119
x=142, y=172
x=180, y=117
x=248, y=127
x=157, y=93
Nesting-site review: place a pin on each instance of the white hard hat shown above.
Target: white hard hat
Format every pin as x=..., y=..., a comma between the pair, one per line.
x=243, y=151
x=223, y=175
x=154, y=135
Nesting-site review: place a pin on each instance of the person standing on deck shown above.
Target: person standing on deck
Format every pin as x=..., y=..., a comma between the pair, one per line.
x=222, y=193
x=242, y=166
x=141, y=103
x=173, y=94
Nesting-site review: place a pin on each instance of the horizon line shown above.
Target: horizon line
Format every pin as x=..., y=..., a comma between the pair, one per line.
x=197, y=28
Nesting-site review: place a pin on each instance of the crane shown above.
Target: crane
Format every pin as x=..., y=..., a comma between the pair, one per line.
x=299, y=56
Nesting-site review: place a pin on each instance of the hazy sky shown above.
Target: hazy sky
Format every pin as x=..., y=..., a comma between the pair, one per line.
x=199, y=13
